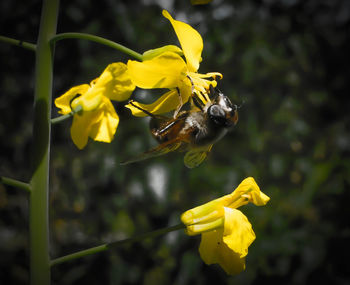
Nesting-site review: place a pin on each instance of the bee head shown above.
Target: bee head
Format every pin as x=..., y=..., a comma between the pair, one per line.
x=222, y=112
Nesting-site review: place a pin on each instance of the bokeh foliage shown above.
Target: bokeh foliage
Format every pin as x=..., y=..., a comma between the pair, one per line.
x=286, y=62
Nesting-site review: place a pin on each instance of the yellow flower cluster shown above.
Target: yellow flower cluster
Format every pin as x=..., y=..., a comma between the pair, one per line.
x=97, y=117
x=226, y=231
x=160, y=68
x=165, y=68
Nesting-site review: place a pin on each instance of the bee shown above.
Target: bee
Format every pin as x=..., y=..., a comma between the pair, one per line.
x=195, y=130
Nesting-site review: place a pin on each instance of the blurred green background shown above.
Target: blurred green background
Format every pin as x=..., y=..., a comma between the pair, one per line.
x=286, y=62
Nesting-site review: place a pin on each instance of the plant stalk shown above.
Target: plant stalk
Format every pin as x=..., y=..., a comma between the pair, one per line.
x=38, y=212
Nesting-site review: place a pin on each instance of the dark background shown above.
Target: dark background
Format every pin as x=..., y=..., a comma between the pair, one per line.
x=286, y=62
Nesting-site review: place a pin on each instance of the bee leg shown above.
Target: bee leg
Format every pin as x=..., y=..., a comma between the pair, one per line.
x=211, y=90
x=192, y=84
x=180, y=97
x=143, y=110
x=198, y=103
x=180, y=104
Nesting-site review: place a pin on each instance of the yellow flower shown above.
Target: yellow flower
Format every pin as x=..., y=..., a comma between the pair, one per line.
x=226, y=231
x=165, y=68
x=96, y=117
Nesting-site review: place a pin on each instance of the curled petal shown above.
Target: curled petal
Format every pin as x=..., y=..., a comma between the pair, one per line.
x=258, y=199
x=206, y=75
x=164, y=71
x=212, y=222
x=214, y=75
x=212, y=209
x=214, y=250
x=238, y=233
x=190, y=40
x=249, y=191
x=64, y=101
x=147, y=55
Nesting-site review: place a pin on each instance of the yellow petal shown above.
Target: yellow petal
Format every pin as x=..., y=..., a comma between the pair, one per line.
x=213, y=250
x=259, y=198
x=210, y=245
x=99, y=124
x=249, y=190
x=190, y=40
x=205, y=75
x=147, y=55
x=202, y=212
x=164, y=71
x=104, y=129
x=120, y=85
x=202, y=227
x=89, y=101
x=246, y=191
x=238, y=233
x=64, y=101
x=81, y=126
x=253, y=192
x=166, y=103
x=114, y=83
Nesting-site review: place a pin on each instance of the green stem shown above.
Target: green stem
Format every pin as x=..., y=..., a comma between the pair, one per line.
x=111, y=245
x=19, y=43
x=65, y=117
x=15, y=183
x=62, y=118
x=38, y=212
x=97, y=39
x=79, y=254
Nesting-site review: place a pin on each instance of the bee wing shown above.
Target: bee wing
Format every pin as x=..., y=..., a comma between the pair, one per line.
x=157, y=151
x=196, y=156
x=166, y=129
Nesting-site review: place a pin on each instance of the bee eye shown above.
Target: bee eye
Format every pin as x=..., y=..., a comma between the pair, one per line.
x=217, y=115
x=227, y=101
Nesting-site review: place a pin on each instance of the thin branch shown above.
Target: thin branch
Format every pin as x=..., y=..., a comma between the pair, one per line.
x=19, y=43
x=15, y=183
x=66, y=116
x=111, y=245
x=97, y=39
x=79, y=254
x=62, y=118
